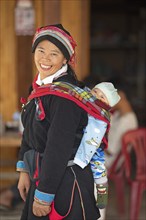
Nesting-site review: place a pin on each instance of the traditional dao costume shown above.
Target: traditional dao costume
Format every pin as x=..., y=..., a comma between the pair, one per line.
x=54, y=118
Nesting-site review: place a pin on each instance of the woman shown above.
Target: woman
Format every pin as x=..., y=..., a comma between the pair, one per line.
x=53, y=129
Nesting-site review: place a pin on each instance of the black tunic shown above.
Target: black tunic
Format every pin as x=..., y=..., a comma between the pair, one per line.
x=58, y=137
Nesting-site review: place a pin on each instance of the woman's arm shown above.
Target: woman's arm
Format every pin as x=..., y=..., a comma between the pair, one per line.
x=65, y=117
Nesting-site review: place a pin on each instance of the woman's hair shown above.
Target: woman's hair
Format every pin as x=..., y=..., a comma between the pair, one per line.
x=73, y=74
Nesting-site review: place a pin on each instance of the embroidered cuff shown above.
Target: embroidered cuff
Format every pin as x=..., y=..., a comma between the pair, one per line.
x=43, y=198
x=20, y=166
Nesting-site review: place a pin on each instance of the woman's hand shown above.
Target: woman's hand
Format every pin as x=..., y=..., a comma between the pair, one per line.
x=41, y=210
x=23, y=185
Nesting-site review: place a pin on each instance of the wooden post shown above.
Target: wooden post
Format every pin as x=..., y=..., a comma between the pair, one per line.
x=8, y=75
x=75, y=18
x=51, y=12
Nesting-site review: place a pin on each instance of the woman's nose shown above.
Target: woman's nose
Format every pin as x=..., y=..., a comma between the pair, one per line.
x=47, y=56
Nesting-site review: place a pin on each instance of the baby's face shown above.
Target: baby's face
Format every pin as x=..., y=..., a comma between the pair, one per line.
x=99, y=95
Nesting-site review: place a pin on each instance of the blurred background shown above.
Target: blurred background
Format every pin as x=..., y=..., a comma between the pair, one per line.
x=111, y=39
x=111, y=42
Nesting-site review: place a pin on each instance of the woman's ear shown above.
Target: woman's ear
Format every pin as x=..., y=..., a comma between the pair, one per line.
x=65, y=61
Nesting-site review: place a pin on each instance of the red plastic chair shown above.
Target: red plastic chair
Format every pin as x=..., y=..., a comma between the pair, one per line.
x=134, y=146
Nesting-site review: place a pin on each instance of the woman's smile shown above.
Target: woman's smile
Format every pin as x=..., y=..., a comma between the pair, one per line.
x=45, y=67
x=47, y=53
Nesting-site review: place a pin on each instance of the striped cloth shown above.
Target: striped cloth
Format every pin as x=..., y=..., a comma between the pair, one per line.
x=81, y=97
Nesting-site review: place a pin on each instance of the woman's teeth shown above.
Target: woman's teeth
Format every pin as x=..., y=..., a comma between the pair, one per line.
x=45, y=67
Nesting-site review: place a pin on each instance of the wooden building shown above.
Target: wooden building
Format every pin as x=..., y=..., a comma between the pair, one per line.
x=110, y=36
x=16, y=66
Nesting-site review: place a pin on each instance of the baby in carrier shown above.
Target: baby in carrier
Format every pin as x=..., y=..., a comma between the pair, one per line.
x=91, y=149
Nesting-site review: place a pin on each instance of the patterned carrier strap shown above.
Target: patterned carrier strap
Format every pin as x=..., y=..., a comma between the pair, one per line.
x=81, y=97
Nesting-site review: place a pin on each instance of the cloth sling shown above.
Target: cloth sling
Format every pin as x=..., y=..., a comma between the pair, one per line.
x=82, y=97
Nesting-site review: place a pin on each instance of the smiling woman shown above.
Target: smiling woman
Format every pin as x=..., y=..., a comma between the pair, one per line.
x=53, y=128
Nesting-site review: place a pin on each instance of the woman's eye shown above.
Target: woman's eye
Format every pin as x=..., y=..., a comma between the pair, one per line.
x=53, y=54
x=41, y=51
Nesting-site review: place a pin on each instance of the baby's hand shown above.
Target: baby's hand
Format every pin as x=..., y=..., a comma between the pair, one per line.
x=102, y=195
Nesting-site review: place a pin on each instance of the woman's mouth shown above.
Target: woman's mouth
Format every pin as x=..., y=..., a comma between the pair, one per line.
x=45, y=67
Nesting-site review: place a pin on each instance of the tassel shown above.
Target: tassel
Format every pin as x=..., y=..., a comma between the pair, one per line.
x=23, y=101
x=40, y=113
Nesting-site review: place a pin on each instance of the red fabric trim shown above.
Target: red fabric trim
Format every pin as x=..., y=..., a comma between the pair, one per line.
x=23, y=100
x=42, y=112
x=45, y=91
x=53, y=215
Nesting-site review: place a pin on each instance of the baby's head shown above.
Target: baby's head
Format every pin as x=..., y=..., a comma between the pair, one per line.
x=107, y=93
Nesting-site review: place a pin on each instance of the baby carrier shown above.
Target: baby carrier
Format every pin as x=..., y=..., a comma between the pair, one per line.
x=82, y=97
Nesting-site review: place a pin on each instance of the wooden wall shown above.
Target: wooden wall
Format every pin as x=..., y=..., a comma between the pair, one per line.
x=8, y=74
x=75, y=17
x=17, y=68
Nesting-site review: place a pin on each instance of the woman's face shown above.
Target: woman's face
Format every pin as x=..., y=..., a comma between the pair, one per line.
x=48, y=58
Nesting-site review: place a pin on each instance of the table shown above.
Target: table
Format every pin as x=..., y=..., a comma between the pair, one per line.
x=9, y=144
x=10, y=139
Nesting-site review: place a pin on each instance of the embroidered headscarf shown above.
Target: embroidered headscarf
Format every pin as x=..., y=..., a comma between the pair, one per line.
x=60, y=37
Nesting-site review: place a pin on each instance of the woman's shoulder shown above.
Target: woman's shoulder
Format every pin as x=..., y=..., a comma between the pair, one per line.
x=70, y=78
